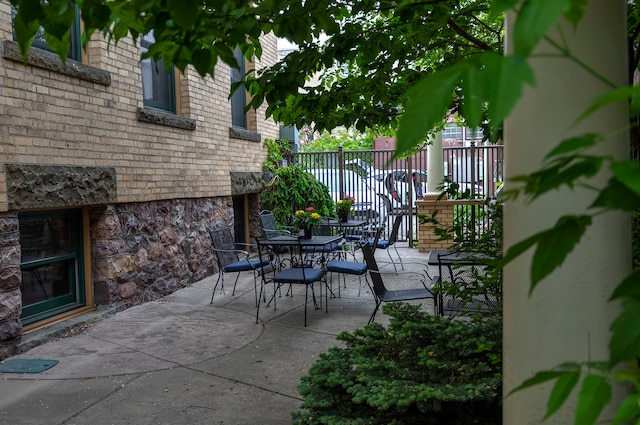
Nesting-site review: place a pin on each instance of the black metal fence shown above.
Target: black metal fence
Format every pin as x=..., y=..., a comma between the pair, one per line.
x=383, y=186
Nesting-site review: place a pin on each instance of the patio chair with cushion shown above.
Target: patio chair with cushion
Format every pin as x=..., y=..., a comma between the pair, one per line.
x=354, y=268
x=383, y=294
x=233, y=260
x=299, y=272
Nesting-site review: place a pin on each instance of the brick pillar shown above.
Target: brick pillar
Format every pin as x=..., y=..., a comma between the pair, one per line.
x=10, y=281
x=427, y=239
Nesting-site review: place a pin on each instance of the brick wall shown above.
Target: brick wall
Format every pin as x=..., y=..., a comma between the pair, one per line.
x=165, y=179
x=427, y=239
x=53, y=118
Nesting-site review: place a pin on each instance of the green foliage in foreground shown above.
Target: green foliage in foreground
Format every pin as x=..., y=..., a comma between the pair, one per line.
x=293, y=189
x=421, y=369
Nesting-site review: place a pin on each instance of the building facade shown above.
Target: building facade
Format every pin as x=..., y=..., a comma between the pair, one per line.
x=112, y=172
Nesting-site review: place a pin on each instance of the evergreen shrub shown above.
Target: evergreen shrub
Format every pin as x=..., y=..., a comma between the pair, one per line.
x=420, y=369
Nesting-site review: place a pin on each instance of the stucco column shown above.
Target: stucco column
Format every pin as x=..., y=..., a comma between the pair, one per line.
x=435, y=165
x=567, y=318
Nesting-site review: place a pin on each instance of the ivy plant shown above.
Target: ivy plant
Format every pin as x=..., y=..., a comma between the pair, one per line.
x=293, y=189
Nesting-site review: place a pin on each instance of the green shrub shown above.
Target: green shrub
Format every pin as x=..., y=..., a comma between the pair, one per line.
x=421, y=369
x=293, y=189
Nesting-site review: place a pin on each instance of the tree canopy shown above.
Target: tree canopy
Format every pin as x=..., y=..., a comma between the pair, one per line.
x=365, y=53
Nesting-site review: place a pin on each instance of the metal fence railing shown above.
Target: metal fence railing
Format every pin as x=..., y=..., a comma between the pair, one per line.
x=383, y=186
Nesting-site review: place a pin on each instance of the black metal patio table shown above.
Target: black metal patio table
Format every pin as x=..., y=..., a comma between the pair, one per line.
x=294, y=245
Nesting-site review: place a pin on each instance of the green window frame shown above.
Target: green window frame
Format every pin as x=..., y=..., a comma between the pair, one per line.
x=52, y=263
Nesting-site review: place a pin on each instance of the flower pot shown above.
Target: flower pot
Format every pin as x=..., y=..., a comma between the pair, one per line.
x=343, y=216
x=308, y=232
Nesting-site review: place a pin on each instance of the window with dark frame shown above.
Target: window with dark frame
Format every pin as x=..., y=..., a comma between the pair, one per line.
x=239, y=97
x=52, y=263
x=40, y=42
x=158, y=84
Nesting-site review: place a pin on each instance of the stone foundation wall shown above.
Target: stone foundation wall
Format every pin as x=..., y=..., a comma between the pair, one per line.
x=143, y=251
x=10, y=281
x=139, y=252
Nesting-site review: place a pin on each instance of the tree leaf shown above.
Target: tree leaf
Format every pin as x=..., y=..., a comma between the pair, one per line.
x=561, y=390
x=519, y=248
x=503, y=78
x=573, y=144
x=547, y=375
x=625, y=339
x=617, y=196
x=629, y=287
x=555, y=244
x=25, y=34
x=594, y=394
x=426, y=105
x=472, y=97
x=585, y=166
x=498, y=7
x=620, y=96
x=628, y=410
x=185, y=13
x=202, y=61
x=576, y=11
x=534, y=20
x=628, y=173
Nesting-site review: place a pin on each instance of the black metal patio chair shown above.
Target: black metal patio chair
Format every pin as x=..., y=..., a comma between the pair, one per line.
x=383, y=294
x=299, y=271
x=233, y=260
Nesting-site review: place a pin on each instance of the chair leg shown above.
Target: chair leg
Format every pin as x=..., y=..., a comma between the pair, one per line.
x=258, y=306
x=399, y=257
x=373, y=315
x=306, y=291
x=220, y=276
x=391, y=259
x=234, y=284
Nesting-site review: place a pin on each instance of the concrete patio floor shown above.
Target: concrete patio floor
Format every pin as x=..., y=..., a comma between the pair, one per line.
x=181, y=360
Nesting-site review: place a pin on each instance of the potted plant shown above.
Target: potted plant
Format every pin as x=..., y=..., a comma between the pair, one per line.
x=305, y=220
x=343, y=208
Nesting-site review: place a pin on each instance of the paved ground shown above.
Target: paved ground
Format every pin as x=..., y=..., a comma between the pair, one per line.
x=180, y=360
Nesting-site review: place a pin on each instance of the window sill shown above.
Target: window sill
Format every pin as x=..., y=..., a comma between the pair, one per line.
x=240, y=133
x=50, y=61
x=153, y=116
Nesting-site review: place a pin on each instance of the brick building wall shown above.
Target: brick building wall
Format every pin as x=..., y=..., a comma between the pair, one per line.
x=79, y=137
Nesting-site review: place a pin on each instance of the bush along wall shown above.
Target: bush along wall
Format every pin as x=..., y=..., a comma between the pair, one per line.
x=421, y=369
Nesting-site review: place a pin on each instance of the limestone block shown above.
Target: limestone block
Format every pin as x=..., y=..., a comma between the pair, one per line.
x=107, y=227
x=114, y=267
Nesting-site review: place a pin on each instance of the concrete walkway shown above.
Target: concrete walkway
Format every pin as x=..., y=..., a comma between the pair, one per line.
x=180, y=360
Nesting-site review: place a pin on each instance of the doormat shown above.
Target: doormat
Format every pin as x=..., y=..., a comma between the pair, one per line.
x=26, y=365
